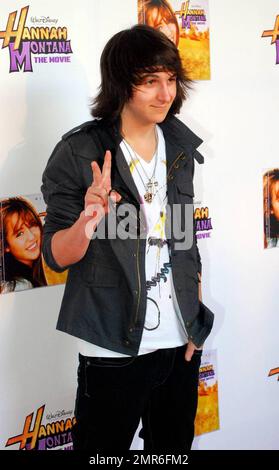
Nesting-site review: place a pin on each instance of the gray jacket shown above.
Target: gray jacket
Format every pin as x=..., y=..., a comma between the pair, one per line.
x=104, y=300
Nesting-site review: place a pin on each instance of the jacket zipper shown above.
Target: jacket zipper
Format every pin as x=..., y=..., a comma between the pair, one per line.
x=138, y=270
x=139, y=283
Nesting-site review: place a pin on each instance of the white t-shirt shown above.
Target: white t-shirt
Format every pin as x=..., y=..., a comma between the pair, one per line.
x=163, y=326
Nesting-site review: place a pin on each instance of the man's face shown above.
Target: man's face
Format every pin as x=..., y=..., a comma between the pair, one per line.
x=153, y=98
x=275, y=199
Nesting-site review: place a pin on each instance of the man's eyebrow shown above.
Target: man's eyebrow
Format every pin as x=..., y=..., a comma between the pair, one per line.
x=145, y=75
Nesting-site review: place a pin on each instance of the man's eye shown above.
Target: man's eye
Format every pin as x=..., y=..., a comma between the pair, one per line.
x=19, y=234
x=150, y=82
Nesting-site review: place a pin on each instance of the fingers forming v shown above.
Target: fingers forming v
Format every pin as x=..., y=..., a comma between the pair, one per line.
x=96, y=174
x=106, y=172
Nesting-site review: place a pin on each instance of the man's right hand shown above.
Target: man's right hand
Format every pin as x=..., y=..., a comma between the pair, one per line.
x=97, y=195
x=69, y=245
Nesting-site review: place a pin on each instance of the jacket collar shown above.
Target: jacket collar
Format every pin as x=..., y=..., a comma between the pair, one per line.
x=175, y=130
x=180, y=142
x=179, y=138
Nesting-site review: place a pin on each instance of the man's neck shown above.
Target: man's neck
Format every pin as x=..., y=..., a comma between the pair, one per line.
x=141, y=137
x=133, y=130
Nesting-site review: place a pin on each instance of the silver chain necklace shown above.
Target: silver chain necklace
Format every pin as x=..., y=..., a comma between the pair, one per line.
x=152, y=183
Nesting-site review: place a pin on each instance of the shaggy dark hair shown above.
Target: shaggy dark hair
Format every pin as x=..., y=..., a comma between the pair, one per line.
x=126, y=57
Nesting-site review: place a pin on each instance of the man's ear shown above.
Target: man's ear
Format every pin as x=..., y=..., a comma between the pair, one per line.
x=7, y=249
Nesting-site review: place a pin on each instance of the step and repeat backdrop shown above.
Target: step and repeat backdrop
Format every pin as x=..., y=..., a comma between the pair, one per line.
x=49, y=72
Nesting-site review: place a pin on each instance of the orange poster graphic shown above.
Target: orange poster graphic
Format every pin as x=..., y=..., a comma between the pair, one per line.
x=271, y=208
x=207, y=418
x=187, y=25
x=22, y=265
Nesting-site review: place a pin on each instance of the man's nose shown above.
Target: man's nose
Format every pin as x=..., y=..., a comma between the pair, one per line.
x=164, y=93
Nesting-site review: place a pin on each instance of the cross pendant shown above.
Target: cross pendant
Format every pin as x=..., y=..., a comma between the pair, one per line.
x=151, y=186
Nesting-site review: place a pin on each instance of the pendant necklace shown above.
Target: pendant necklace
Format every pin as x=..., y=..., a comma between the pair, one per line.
x=152, y=184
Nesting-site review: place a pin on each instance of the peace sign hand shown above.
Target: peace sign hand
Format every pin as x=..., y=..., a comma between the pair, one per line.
x=97, y=195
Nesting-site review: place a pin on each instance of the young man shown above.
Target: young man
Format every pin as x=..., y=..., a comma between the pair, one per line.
x=131, y=299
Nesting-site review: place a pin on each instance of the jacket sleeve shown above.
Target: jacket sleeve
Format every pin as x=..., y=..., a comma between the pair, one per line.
x=63, y=193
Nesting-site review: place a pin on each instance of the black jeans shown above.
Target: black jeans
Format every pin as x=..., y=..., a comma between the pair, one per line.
x=114, y=393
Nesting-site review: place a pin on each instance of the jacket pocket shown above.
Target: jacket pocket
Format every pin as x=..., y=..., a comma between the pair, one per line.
x=97, y=275
x=185, y=187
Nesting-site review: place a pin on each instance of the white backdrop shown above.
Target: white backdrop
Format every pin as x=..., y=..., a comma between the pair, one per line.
x=236, y=114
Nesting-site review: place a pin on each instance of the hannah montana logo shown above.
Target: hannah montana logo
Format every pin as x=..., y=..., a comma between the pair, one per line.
x=23, y=42
x=274, y=34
